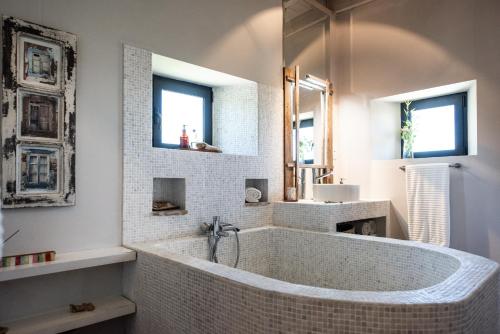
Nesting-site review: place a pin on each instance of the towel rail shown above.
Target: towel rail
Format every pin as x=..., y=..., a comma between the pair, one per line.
x=455, y=165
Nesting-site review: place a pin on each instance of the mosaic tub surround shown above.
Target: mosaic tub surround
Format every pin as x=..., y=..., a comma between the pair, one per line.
x=296, y=281
x=324, y=217
x=214, y=183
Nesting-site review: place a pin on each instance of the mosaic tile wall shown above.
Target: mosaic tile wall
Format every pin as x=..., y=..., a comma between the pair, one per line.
x=236, y=119
x=215, y=183
x=178, y=294
x=323, y=217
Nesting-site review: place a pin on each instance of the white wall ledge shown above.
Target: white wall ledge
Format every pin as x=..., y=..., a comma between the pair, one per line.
x=70, y=261
x=61, y=320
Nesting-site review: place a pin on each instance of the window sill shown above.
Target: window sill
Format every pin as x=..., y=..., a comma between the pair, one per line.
x=257, y=204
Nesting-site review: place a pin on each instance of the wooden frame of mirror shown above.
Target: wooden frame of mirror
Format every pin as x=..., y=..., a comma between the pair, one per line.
x=291, y=96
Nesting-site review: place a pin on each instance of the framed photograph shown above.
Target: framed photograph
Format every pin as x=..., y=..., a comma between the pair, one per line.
x=39, y=62
x=38, y=116
x=38, y=125
x=39, y=169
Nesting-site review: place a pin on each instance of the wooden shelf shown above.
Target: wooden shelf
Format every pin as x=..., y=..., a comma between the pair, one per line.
x=257, y=204
x=61, y=319
x=176, y=212
x=70, y=261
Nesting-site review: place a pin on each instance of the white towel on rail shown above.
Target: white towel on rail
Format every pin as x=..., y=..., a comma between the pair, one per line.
x=428, y=197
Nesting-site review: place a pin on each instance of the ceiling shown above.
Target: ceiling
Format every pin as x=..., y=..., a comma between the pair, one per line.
x=180, y=70
x=296, y=8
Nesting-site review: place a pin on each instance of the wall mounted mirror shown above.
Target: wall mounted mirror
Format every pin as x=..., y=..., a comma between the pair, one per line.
x=312, y=126
x=308, y=117
x=307, y=43
x=200, y=109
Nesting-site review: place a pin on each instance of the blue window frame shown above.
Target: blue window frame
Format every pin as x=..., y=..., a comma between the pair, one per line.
x=440, y=126
x=166, y=112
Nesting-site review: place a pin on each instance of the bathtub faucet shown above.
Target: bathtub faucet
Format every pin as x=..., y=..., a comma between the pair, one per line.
x=215, y=232
x=218, y=229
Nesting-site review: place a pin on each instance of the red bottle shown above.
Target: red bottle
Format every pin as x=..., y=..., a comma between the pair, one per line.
x=184, y=139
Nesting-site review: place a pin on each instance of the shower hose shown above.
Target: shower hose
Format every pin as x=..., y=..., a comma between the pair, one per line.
x=213, y=249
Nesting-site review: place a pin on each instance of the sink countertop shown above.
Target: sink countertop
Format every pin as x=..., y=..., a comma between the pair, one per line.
x=323, y=217
x=312, y=202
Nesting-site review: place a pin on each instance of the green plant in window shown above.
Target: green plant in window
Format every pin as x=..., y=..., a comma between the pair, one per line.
x=306, y=145
x=408, y=131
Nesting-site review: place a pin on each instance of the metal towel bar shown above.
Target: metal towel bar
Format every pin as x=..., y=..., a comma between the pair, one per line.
x=455, y=165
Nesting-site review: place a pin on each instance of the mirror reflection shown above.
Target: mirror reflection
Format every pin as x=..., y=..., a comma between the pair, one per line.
x=311, y=126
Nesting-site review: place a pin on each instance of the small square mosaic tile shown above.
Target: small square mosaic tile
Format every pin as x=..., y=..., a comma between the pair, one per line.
x=214, y=183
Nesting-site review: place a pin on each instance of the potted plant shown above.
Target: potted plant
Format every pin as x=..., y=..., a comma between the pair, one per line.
x=408, y=131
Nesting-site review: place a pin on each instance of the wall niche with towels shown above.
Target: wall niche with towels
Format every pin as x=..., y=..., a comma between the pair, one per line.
x=169, y=196
x=256, y=192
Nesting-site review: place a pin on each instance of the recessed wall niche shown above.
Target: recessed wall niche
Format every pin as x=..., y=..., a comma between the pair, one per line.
x=374, y=226
x=385, y=118
x=261, y=185
x=224, y=109
x=169, y=196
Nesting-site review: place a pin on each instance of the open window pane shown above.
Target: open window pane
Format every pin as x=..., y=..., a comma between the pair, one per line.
x=434, y=129
x=179, y=109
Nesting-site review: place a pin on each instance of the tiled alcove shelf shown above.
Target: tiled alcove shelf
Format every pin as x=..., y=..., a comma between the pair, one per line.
x=260, y=184
x=172, y=190
x=379, y=225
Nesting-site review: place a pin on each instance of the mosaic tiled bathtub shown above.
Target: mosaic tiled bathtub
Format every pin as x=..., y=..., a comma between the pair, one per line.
x=295, y=281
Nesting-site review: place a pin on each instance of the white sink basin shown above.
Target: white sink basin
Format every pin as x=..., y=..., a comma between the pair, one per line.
x=335, y=192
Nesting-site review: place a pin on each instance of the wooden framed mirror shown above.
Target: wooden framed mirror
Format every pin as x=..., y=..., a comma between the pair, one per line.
x=308, y=131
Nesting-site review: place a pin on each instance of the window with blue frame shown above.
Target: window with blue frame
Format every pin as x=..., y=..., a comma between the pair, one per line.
x=177, y=104
x=440, y=126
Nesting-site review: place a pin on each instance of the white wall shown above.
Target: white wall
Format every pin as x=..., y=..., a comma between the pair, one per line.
x=393, y=46
x=385, y=129
x=241, y=37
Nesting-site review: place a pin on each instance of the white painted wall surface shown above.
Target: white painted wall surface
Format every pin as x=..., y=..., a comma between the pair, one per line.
x=389, y=47
x=238, y=37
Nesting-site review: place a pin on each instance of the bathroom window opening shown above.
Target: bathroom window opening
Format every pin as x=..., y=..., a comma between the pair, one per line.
x=439, y=125
x=179, y=105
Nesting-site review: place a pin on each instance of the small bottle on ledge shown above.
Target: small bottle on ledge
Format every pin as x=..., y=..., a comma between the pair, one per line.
x=184, y=139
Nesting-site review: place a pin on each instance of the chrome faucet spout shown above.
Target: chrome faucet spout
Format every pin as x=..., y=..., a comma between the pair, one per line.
x=228, y=227
x=324, y=175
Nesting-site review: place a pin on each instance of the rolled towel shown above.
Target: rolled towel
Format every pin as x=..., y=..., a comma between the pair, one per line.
x=252, y=195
